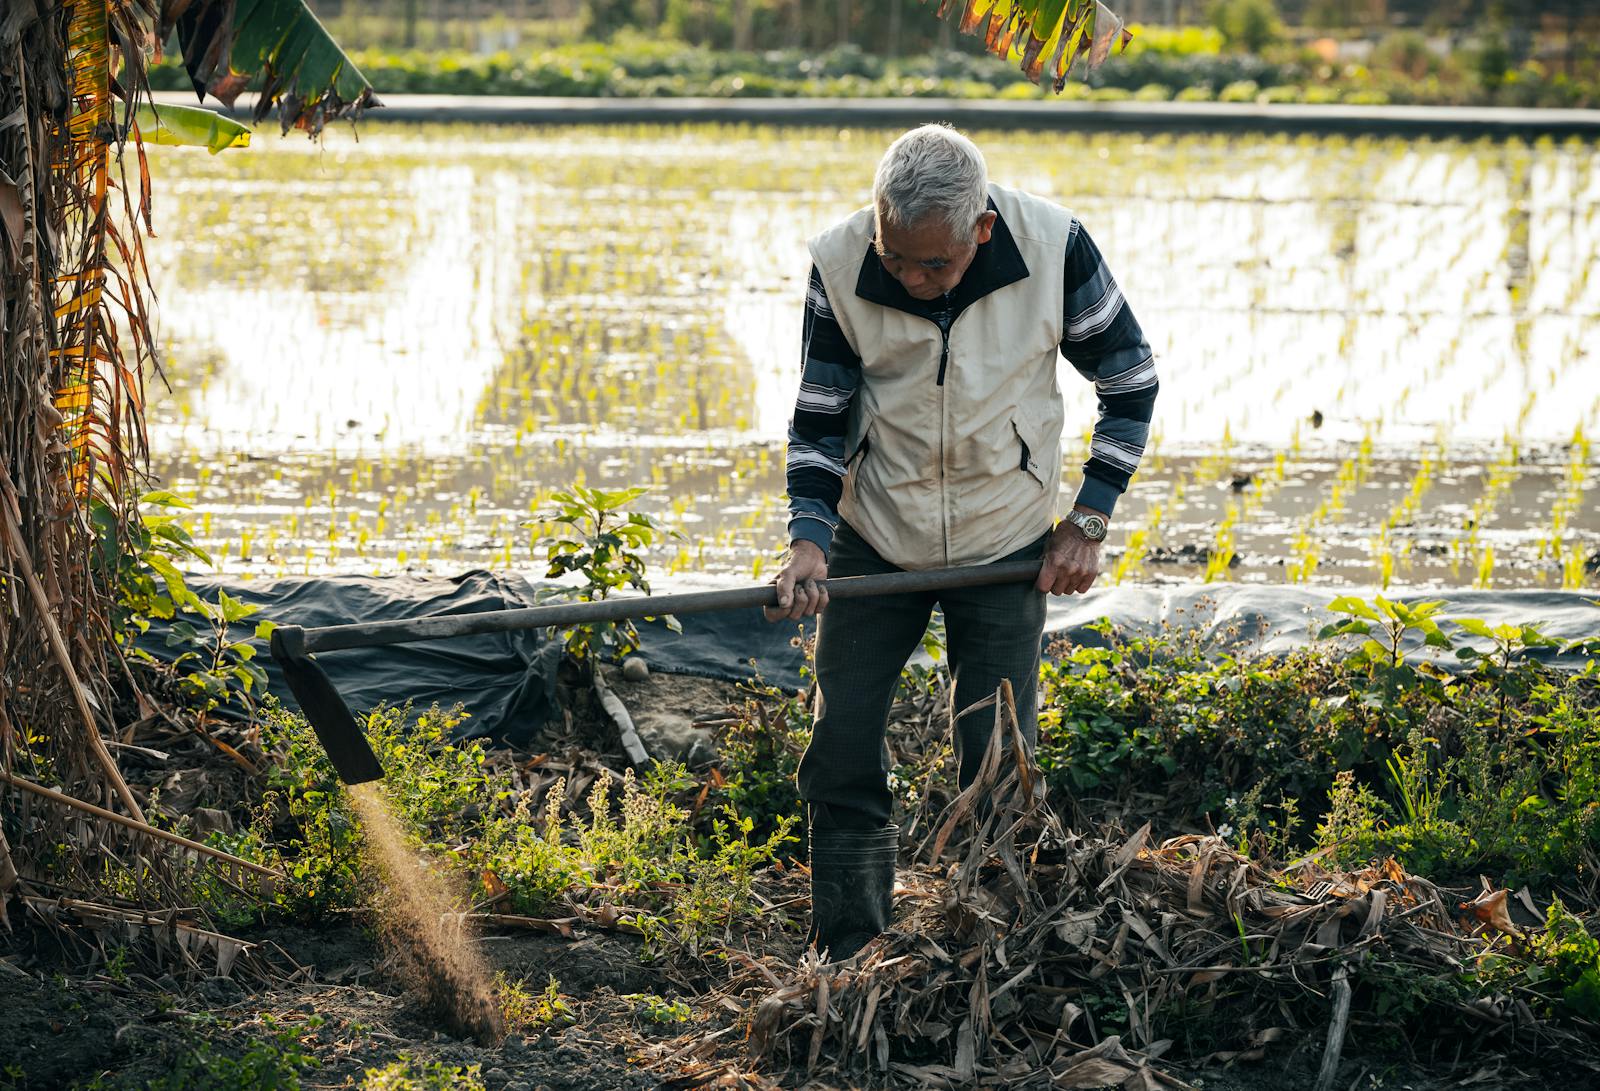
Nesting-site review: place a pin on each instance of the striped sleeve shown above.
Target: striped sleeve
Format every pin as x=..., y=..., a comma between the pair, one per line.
x=830, y=372
x=1104, y=343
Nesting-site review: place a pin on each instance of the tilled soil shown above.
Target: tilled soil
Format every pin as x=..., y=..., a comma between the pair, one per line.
x=64, y=1030
x=87, y=1028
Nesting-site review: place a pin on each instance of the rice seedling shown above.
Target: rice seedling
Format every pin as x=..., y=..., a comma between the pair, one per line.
x=615, y=331
x=1505, y=469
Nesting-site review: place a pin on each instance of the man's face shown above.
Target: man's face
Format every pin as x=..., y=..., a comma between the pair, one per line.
x=926, y=258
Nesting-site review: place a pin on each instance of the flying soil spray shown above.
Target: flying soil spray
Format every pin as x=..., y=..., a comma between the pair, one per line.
x=427, y=940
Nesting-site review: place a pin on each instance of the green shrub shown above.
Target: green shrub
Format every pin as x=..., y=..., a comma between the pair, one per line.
x=1365, y=98
x=1189, y=60
x=645, y=855
x=1174, y=41
x=1494, y=766
x=1406, y=52
x=438, y=787
x=1558, y=971
x=1571, y=956
x=598, y=541
x=1248, y=25
x=760, y=757
x=141, y=564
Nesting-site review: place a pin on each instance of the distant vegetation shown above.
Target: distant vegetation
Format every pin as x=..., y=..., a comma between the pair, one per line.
x=1244, y=51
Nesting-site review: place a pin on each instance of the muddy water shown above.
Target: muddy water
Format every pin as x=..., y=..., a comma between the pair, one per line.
x=385, y=354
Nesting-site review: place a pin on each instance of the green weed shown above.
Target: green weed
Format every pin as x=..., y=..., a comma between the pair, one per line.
x=524, y=1010
x=1492, y=765
x=1559, y=969
x=412, y=1074
x=658, y=1009
x=760, y=756
x=639, y=852
x=438, y=786
x=275, y=1062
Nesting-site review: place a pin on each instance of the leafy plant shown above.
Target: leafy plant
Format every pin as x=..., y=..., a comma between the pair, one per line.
x=439, y=788
x=271, y=1063
x=149, y=584
x=1571, y=957
x=603, y=545
x=1384, y=660
x=659, y=1009
x=760, y=752
x=1493, y=769
x=528, y=1011
x=1558, y=970
x=1250, y=25
x=410, y=1073
x=639, y=851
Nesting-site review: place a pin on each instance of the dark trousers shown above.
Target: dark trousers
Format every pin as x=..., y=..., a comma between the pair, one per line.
x=991, y=633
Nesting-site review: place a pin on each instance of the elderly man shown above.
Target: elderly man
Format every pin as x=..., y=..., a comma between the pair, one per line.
x=927, y=433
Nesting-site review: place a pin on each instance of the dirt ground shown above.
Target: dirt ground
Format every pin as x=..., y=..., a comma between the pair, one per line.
x=66, y=1026
x=74, y=1015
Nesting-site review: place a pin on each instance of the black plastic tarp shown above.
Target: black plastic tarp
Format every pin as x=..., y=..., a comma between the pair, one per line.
x=506, y=681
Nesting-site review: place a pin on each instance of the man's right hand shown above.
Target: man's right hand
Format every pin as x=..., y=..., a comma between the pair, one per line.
x=800, y=589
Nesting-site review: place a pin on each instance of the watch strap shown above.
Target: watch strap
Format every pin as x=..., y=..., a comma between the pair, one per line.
x=1083, y=522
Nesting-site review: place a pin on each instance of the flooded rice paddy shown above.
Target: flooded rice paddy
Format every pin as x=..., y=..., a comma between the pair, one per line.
x=1380, y=359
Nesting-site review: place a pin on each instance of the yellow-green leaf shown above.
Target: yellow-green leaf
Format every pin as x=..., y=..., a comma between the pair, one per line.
x=189, y=127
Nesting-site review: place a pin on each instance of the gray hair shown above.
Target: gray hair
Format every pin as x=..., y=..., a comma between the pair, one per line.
x=932, y=172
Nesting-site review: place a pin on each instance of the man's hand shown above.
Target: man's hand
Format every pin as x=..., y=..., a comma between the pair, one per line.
x=800, y=590
x=1071, y=562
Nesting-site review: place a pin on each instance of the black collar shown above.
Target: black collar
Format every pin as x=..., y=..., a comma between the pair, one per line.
x=997, y=263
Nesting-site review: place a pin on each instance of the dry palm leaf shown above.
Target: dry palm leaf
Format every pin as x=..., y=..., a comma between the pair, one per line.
x=1044, y=35
x=1012, y=936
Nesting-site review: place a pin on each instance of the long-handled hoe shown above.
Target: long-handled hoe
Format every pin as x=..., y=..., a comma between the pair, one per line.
x=294, y=647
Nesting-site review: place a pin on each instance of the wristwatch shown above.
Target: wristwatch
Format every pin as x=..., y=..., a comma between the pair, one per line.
x=1092, y=526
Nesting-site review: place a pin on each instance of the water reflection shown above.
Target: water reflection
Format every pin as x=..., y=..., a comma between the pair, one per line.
x=386, y=353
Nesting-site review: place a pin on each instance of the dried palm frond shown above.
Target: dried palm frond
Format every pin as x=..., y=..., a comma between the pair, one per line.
x=100, y=289
x=75, y=340
x=1045, y=35
x=1027, y=955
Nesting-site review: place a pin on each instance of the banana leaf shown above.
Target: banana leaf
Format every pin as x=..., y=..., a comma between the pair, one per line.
x=1043, y=35
x=189, y=127
x=278, y=44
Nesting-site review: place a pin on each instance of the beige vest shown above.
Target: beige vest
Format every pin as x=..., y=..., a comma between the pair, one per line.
x=966, y=471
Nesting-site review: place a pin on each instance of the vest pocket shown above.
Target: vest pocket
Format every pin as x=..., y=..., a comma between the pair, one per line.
x=861, y=449
x=1028, y=462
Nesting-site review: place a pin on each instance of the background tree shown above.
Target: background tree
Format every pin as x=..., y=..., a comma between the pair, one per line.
x=75, y=199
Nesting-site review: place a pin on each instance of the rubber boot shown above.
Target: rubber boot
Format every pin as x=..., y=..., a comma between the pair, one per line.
x=852, y=888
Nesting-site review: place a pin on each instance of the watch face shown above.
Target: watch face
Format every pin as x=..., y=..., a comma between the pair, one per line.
x=1094, y=527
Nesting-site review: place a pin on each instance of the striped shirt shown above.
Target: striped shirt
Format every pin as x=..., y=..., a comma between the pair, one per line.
x=1100, y=338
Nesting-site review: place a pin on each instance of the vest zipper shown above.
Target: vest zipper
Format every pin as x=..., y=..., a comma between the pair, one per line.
x=944, y=500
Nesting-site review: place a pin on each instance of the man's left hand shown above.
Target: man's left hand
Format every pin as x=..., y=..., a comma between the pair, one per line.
x=1071, y=562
